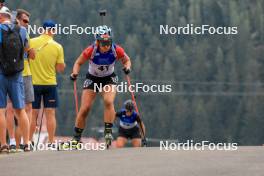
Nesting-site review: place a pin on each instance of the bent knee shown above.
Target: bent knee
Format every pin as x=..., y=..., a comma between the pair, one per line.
x=84, y=110
x=108, y=102
x=120, y=144
x=136, y=142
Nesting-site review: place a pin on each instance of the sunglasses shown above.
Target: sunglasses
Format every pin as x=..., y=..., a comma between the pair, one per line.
x=105, y=43
x=25, y=21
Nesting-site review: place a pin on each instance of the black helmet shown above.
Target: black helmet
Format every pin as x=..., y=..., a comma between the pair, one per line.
x=129, y=105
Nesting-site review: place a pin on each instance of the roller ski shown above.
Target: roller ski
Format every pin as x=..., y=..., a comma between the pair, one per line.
x=70, y=145
x=108, y=137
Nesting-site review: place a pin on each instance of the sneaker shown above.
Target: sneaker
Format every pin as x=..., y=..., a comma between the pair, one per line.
x=12, y=149
x=52, y=146
x=27, y=148
x=20, y=148
x=4, y=149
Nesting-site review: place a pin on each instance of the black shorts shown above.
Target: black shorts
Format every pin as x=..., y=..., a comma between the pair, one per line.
x=132, y=133
x=49, y=94
x=95, y=83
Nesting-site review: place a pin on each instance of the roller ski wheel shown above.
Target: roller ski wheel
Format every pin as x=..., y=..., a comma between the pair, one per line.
x=108, y=140
x=70, y=145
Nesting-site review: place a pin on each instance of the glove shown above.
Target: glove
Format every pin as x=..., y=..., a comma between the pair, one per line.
x=73, y=77
x=144, y=142
x=126, y=70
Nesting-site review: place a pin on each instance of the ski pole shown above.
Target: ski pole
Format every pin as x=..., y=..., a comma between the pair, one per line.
x=136, y=107
x=132, y=93
x=40, y=128
x=75, y=96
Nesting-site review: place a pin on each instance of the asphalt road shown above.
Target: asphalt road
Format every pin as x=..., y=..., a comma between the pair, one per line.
x=246, y=161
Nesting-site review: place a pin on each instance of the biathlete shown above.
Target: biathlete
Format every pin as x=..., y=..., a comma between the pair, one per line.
x=129, y=126
x=102, y=56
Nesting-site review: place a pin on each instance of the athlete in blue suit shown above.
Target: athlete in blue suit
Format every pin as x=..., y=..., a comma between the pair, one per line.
x=129, y=125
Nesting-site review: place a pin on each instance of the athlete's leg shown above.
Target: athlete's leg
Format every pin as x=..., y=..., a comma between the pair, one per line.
x=109, y=98
x=88, y=97
x=136, y=137
x=121, y=142
x=109, y=112
x=136, y=142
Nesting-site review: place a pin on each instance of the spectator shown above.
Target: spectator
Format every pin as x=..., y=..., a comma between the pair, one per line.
x=22, y=18
x=11, y=80
x=49, y=60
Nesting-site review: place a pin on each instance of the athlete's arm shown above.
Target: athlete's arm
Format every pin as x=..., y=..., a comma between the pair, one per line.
x=77, y=65
x=126, y=61
x=118, y=114
x=141, y=124
x=85, y=55
x=121, y=55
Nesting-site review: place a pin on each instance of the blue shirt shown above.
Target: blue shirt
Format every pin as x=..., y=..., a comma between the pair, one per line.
x=127, y=122
x=23, y=32
x=107, y=58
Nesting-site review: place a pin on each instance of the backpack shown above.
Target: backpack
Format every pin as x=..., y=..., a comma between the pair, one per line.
x=11, y=51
